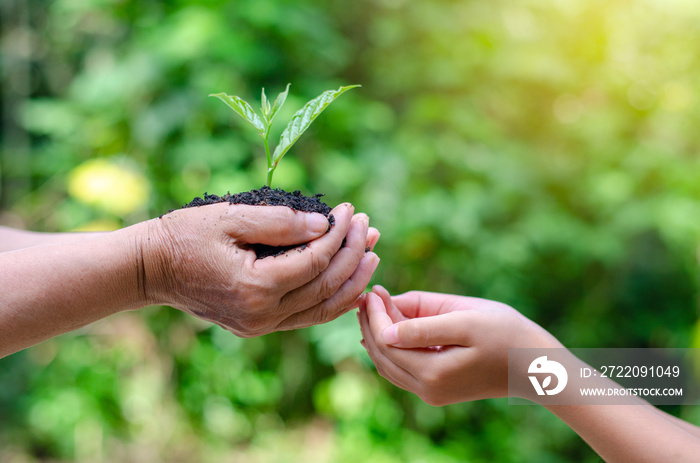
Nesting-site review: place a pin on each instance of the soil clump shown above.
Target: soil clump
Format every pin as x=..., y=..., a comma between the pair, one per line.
x=267, y=196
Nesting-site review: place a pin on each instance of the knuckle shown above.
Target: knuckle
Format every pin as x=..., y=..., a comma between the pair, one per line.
x=319, y=316
x=319, y=262
x=254, y=326
x=242, y=229
x=283, y=219
x=335, y=308
x=259, y=294
x=256, y=303
x=329, y=286
x=431, y=395
x=432, y=399
x=285, y=215
x=311, y=317
x=417, y=333
x=326, y=312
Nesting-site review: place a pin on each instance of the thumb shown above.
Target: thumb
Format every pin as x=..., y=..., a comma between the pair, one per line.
x=276, y=225
x=450, y=329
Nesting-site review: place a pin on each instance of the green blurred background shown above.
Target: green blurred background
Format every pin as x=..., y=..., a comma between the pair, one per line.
x=540, y=153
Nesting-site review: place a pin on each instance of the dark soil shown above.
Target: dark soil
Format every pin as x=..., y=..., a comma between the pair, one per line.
x=266, y=196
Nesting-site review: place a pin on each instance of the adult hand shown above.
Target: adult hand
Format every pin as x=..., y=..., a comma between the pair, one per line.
x=200, y=260
x=445, y=348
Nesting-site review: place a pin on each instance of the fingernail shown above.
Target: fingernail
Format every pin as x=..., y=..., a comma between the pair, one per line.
x=390, y=335
x=316, y=223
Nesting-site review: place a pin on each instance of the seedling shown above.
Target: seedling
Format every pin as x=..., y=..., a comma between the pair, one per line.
x=296, y=127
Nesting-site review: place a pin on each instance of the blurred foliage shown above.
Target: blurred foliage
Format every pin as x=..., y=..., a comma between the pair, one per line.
x=540, y=153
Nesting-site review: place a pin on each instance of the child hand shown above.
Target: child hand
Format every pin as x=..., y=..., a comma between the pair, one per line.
x=445, y=348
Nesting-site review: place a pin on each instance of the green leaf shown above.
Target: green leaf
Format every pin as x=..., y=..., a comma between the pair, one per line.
x=244, y=110
x=303, y=119
x=279, y=101
x=265, y=107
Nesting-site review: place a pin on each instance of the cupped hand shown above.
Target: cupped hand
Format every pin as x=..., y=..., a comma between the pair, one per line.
x=445, y=348
x=201, y=260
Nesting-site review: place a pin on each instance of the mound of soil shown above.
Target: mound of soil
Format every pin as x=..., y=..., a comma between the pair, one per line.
x=267, y=196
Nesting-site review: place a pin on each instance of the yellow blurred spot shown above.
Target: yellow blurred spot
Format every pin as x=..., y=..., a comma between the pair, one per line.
x=676, y=96
x=108, y=186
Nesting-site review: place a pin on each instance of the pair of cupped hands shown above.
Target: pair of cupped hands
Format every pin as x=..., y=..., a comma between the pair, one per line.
x=445, y=348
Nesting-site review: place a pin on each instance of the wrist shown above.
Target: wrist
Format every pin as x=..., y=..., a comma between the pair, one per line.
x=153, y=263
x=538, y=337
x=127, y=265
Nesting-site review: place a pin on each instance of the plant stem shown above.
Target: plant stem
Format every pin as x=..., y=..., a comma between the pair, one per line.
x=270, y=170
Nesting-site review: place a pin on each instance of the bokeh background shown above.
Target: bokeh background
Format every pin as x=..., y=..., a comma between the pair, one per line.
x=540, y=153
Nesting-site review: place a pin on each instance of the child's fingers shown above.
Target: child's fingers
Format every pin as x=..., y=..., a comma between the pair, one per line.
x=412, y=361
x=397, y=375
x=450, y=329
x=377, y=315
x=409, y=361
x=415, y=304
x=393, y=312
x=383, y=366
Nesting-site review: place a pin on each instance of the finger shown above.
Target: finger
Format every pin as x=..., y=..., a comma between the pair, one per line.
x=342, y=266
x=297, y=267
x=359, y=301
x=340, y=302
x=274, y=225
x=376, y=313
x=414, y=361
x=394, y=313
x=388, y=369
x=450, y=329
x=373, y=236
x=415, y=304
x=392, y=372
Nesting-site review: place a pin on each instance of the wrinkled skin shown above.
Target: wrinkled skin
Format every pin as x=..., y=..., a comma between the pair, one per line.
x=201, y=261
